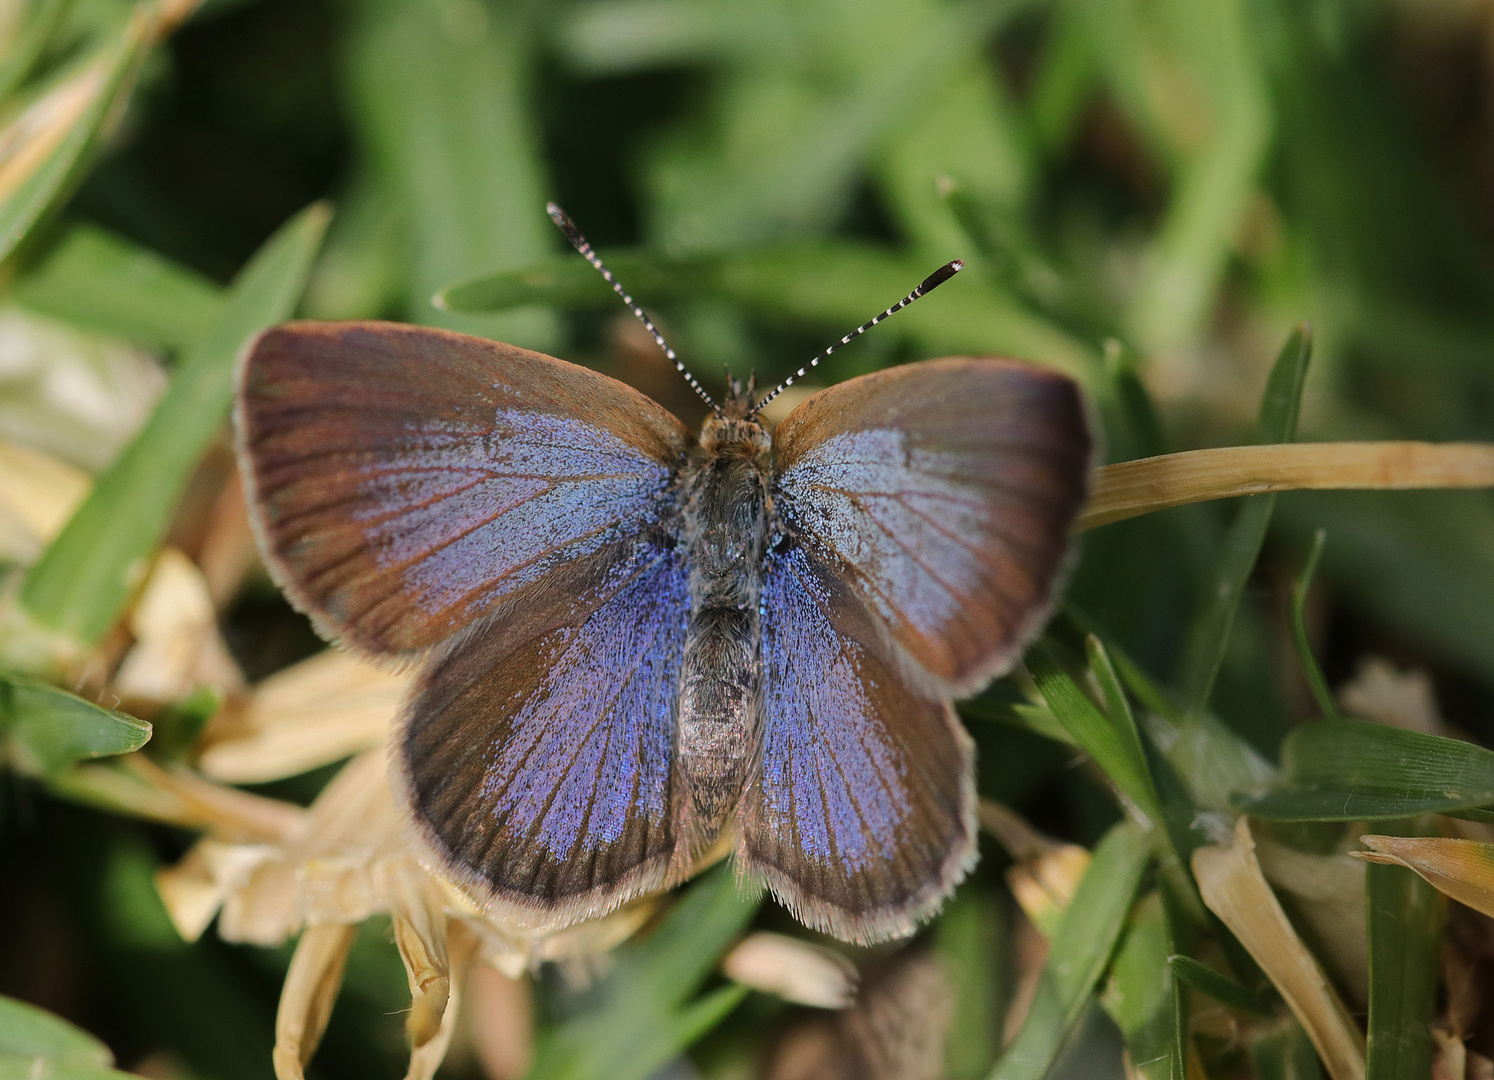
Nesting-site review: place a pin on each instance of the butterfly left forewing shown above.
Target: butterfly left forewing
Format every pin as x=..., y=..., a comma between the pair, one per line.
x=862, y=816
x=407, y=482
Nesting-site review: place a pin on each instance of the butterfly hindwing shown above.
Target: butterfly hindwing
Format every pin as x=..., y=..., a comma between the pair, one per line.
x=862, y=817
x=407, y=482
x=944, y=491
x=540, y=771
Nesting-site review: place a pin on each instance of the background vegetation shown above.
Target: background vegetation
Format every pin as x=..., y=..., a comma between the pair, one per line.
x=1150, y=195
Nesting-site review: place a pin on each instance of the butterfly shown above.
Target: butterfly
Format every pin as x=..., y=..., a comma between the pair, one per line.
x=637, y=645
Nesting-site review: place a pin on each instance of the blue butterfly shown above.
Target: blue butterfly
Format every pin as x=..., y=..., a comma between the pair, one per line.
x=638, y=646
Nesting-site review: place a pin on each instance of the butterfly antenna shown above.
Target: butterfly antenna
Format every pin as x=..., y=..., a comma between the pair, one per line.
x=929, y=284
x=580, y=243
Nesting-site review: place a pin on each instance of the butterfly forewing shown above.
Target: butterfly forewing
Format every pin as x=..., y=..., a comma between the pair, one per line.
x=944, y=492
x=862, y=819
x=540, y=771
x=407, y=481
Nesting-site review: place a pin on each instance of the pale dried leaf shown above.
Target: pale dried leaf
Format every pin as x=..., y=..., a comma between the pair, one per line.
x=312, y=713
x=1329, y=897
x=195, y=888
x=38, y=493
x=311, y=985
x=226, y=813
x=177, y=645
x=1450, y=1056
x=1382, y=692
x=1044, y=886
x=1233, y=887
x=795, y=970
x=1461, y=869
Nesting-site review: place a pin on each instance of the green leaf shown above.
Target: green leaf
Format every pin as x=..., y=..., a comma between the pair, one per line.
x=1242, y=544
x=836, y=283
x=46, y=730
x=1406, y=917
x=1078, y=953
x=1221, y=988
x=100, y=281
x=80, y=583
x=1353, y=770
x=26, y=1031
x=62, y=168
x=35, y=1045
x=644, y=1014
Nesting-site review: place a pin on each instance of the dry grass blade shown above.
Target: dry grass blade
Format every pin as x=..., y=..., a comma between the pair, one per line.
x=311, y=986
x=1461, y=869
x=1230, y=879
x=1131, y=488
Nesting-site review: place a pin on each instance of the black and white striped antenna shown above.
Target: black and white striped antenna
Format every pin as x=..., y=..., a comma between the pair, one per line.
x=579, y=242
x=929, y=284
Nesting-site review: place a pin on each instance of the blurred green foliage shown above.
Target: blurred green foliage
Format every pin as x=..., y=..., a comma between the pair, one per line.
x=1150, y=195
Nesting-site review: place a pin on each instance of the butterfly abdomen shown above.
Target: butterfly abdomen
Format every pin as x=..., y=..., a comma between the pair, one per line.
x=725, y=507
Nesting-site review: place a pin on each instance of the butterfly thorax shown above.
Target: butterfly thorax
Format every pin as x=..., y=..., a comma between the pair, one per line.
x=726, y=524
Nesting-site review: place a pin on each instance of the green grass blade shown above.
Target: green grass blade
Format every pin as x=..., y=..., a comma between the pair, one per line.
x=1310, y=669
x=35, y=37
x=645, y=1014
x=1353, y=770
x=46, y=730
x=1286, y=1053
x=970, y=940
x=1406, y=917
x=1221, y=988
x=832, y=283
x=82, y=580
x=1418, y=561
x=1078, y=953
x=1115, y=749
x=1242, y=545
x=443, y=111
x=103, y=282
x=1139, y=995
x=54, y=178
